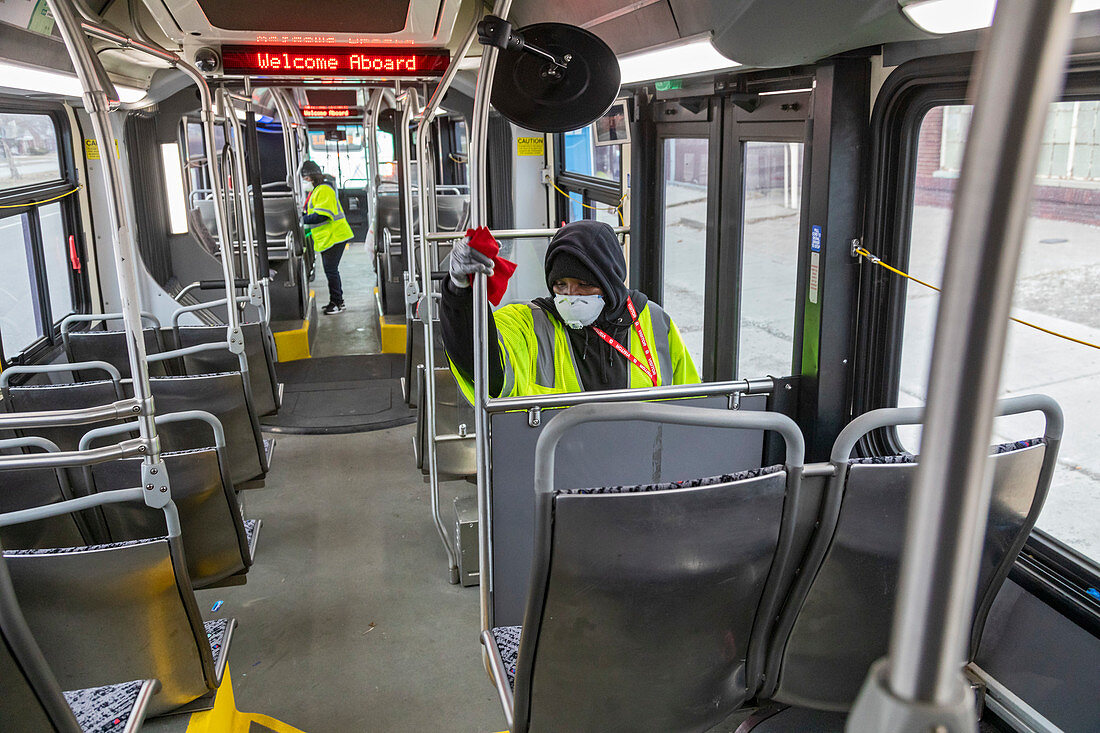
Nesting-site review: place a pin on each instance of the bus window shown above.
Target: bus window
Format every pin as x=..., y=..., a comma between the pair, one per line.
x=769, y=269
x=684, y=237
x=387, y=170
x=340, y=154
x=20, y=323
x=1055, y=289
x=590, y=175
x=28, y=150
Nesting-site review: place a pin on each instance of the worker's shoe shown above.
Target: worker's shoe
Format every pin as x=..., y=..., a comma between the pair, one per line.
x=333, y=308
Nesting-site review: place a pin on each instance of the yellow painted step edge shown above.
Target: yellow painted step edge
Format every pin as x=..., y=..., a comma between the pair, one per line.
x=391, y=330
x=293, y=344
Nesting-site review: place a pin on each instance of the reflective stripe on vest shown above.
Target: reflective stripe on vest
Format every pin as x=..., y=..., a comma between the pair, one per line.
x=660, y=324
x=545, y=375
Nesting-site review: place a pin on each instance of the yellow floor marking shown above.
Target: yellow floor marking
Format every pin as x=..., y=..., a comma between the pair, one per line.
x=225, y=718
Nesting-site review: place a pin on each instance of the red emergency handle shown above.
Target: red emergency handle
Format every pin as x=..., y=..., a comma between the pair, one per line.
x=74, y=257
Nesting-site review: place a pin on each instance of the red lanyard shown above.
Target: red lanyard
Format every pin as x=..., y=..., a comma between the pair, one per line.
x=651, y=372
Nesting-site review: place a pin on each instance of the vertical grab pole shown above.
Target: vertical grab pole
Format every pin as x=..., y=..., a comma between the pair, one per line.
x=919, y=686
x=479, y=216
x=427, y=402
x=255, y=178
x=99, y=95
x=408, y=109
x=240, y=176
x=370, y=131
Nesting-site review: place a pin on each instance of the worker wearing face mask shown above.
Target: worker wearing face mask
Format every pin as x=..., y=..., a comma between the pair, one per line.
x=329, y=230
x=592, y=333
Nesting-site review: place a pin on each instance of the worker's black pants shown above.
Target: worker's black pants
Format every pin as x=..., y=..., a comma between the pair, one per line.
x=330, y=260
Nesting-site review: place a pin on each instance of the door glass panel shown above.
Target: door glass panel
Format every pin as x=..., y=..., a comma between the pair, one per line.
x=1055, y=289
x=19, y=320
x=684, y=238
x=769, y=269
x=55, y=251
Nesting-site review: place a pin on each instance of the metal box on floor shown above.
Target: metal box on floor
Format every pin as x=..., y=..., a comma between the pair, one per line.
x=466, y=539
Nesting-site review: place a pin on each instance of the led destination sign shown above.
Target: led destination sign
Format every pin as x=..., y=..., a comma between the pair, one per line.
x=315, y=112
x=332, y=61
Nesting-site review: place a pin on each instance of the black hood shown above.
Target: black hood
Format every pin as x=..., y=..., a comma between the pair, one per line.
x=596, y=245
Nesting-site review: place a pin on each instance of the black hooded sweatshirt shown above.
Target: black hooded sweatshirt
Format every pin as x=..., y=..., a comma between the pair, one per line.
x=599, y=365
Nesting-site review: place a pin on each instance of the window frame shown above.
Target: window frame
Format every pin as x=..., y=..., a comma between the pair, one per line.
x=907, y=96
x=593, y=190
x=29, y=200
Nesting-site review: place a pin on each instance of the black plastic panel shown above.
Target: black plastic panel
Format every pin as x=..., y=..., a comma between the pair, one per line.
x=346, y=16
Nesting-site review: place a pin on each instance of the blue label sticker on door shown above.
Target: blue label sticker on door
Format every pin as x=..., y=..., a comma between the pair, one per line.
x=815, y=238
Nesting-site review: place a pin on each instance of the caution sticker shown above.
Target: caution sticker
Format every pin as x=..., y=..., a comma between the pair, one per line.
x=91, y=149
x=530, y=146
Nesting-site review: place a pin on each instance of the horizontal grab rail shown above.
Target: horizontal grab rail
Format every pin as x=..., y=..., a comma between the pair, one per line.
x=82, y=416
x=510, y=233
x=570, y=399
x=165, y=419
x=110, y=369
x=68, y=459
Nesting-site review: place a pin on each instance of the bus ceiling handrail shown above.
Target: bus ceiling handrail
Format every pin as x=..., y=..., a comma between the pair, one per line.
x=111, y=370
x=78, y=416
x=765, y=385
x=511, y=233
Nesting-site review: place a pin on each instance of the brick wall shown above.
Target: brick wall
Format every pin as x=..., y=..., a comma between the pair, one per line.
x=1063, y=203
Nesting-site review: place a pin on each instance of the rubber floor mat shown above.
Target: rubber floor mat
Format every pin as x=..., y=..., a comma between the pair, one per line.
x=341, y=394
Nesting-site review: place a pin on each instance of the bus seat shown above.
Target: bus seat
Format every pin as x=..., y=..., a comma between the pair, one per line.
x=216, y=542
x=261, y=362
x=32, y=699
x=45, y=397
x=110, y=346
x=639, y=453
x=222, y=395
x=280, y=215
x=838, y=620
x=31, y=487
x=677, y=579
x=121, y=611
x=451, y=210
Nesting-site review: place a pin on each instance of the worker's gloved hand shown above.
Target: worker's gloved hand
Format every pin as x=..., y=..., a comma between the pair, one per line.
x=467, y=261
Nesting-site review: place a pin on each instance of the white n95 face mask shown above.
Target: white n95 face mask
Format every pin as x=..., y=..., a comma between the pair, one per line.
x=308, y=186
x=579, y=311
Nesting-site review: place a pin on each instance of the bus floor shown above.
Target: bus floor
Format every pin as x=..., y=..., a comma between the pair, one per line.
x=347, y=621
x=355, y=331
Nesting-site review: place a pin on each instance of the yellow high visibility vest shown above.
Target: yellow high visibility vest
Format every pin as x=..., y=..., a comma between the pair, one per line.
x=537, y=359
x=336, y=230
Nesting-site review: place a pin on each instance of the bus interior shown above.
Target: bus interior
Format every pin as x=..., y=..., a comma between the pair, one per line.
x=226, y=506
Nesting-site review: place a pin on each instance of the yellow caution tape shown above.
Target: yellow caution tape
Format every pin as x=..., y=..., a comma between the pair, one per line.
x=877, y=261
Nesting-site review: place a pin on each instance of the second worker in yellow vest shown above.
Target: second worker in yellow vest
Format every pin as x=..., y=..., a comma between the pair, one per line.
x=329, y=229
x=593, y=333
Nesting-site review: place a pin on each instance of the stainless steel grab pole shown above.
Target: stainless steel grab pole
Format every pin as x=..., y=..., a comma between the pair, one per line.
x=409, y=108
x=570, y=399
x=919, y=686
x=255, y=291
x=427, y=399
x=96, y=84
x=479, y=216
x=206, y=115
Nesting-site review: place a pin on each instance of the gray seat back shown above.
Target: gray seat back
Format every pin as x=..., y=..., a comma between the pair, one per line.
x=31, y=699
x=451, y=210
x=110, y=346
x=838, y=619
x=214, y=539
x=31, y=487
x=222, y=395
x=280, y=215
x=45, y=397
x=650, y=605
x=261, y=362
x=117, y=612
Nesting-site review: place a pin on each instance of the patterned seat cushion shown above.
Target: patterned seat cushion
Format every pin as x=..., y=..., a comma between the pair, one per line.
x=215, y=634
x=250, y=530
x=507, y=639
x=685, y=484
x=104, y=709
x=910, y=458
x=81, y=548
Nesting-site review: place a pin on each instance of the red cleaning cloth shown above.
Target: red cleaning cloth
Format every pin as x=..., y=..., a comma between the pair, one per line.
x=483, y=242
